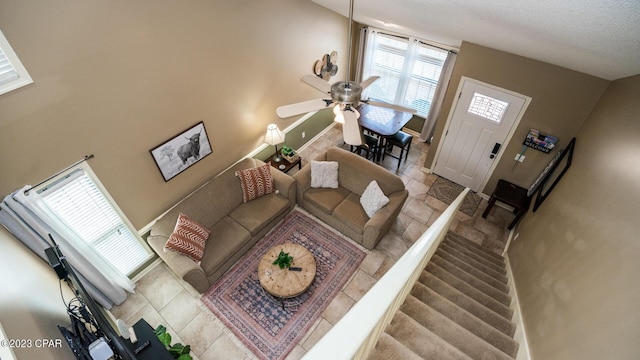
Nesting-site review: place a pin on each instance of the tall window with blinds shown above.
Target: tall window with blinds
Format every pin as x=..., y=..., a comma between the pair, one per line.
x=408, y=68
x=80, y=204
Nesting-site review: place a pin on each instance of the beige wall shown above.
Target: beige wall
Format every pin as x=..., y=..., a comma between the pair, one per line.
x=576, y=262
x=561, y=101
x=117, y=78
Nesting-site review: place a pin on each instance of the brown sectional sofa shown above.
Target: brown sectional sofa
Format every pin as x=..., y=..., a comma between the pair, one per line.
x=235, y=226
x=341, y=207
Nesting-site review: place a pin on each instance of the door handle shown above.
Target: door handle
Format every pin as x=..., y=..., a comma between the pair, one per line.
x=495, y=150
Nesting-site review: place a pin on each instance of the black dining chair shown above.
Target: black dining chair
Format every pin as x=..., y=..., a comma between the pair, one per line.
x=358, y=141
x=369, y=147
x=401, y=140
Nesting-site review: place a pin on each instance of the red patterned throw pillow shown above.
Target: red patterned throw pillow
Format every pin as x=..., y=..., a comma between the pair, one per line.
x=188, y=238
x=255, y=182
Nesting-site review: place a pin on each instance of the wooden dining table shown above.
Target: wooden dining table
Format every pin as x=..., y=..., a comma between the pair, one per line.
x=382, y=122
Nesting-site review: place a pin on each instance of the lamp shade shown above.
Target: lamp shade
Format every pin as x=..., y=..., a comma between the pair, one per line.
x=273, y=136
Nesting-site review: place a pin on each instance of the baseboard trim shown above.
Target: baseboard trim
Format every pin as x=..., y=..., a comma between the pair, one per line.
x=147, y=269
x=520, y=335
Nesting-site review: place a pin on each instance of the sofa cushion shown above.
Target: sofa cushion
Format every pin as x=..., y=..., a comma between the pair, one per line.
x=255, y=182
x=210, y=203
x=326, y=199
x=324, y=174
x=188, y=238
x=350, y=213
x=257, y=214
x=356, y=173
x=225, y=239
x=373, y=199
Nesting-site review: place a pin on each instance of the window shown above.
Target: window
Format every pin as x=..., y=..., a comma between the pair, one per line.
x=12, y=74
x=79, y=202
x=409, y=70
x=487, y=107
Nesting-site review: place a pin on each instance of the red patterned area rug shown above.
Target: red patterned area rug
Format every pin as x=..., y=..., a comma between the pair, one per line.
x=259, y=320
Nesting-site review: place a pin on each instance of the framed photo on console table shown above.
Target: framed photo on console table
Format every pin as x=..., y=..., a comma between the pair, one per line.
x=181, y=151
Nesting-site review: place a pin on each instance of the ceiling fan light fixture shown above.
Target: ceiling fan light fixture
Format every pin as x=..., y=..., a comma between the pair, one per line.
x=346, y=92
x=339, y=111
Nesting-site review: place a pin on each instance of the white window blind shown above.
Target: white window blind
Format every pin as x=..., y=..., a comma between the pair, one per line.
x=13, y=75
x=409, y=70
x=84, y=208
x=7, y=72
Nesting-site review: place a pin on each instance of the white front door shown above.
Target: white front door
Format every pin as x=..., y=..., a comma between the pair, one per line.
x=482, y=121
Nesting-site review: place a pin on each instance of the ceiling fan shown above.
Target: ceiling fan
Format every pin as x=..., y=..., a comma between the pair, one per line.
x=345, y=95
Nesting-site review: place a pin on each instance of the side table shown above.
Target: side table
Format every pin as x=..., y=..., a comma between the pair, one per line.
x=284, y=165
x=510, y=194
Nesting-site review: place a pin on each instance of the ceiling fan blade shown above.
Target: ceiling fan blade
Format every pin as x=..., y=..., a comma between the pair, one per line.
x=317, y=83
x=391, y=106
x=369, y=81
x=286, y=111
x=351, y=131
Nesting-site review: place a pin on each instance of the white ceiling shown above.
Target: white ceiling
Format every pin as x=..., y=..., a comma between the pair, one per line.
x=597, y=37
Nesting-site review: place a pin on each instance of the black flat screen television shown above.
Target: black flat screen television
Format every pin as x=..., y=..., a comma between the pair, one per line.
x=95, y=318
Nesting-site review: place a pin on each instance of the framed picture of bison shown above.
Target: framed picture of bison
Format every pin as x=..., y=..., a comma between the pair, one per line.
x=181, y=151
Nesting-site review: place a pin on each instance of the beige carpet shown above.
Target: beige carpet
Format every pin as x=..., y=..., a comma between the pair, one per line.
x=458, y=309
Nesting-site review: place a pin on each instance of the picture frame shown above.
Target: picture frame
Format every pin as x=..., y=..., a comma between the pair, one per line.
x=181, y=151
x=558, y=168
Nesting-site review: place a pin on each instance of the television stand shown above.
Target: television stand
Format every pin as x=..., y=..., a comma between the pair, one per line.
x=148, y=345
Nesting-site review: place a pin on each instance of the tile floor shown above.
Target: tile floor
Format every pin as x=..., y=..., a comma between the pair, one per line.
x=161, y=298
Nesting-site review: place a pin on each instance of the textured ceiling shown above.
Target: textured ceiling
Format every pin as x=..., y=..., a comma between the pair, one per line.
x=596, y=37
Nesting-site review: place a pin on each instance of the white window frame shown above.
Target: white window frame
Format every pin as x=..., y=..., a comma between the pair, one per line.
x=11, y=68
x=58, y=180
x=407, y=76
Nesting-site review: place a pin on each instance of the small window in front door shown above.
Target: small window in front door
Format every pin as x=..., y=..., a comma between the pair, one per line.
x=487, y=107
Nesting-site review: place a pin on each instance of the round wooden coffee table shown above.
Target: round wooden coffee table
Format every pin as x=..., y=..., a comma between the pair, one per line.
x=287, y=283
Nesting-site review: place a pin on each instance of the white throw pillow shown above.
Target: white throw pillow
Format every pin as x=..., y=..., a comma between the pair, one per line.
x=373, y=199
x=324, y=174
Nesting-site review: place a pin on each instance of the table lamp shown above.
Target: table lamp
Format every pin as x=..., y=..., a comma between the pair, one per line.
x=274, y=137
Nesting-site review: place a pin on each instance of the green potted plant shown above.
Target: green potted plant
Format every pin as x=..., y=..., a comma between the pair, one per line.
x=283, y=260
x=288, y=153
x=177, y=350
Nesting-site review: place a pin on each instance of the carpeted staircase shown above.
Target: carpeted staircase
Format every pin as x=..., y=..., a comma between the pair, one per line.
x=459, y=309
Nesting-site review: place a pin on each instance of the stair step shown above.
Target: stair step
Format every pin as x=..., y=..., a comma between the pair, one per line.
x=389, y=348
x=461, y=240
x=465, y=319
x=488, y=262
x=474, y=271
x=458, y=309
x=463, y=301
x=422, y=341
x=487, y=289
x=470, y=291
x=449, y=331
x=471, y=262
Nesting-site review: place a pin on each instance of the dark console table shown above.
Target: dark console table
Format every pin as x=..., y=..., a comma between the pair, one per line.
x=155, y=350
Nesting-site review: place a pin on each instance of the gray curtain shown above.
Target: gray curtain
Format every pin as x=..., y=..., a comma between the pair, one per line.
x=364, y=33
x=25, y=226
x=436, y=104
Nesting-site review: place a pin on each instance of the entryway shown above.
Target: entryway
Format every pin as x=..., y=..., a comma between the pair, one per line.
x=483, y=119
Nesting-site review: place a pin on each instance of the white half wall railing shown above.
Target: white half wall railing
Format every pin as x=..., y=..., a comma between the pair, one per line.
x=357, y=333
